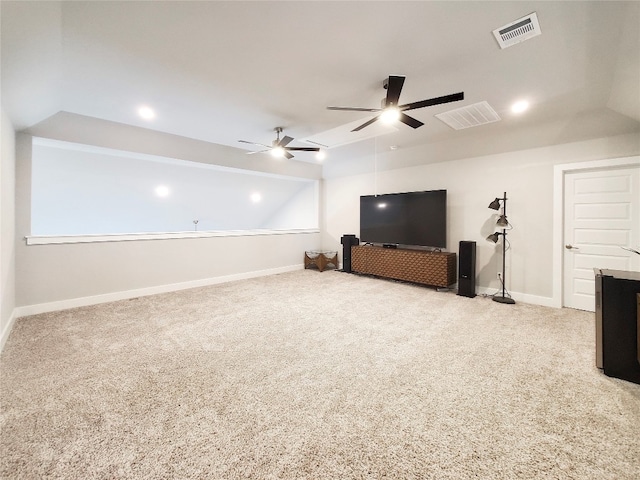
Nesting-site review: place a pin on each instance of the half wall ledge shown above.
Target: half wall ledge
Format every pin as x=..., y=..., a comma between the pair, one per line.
x=125, y=237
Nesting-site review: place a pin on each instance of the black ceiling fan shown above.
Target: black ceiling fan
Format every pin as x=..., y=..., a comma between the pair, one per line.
x=390, y=108
x=278, y=147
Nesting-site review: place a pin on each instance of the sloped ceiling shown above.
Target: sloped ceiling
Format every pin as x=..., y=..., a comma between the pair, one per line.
x=223, y=71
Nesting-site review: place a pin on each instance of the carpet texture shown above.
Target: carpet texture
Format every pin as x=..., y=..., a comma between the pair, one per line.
x=311, y=375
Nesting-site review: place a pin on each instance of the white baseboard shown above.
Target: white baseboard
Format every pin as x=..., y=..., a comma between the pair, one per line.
x=7, y=329
x=522, y=297
x=142, y=292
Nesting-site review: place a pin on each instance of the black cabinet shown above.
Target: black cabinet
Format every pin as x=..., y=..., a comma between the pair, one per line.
x=617, y=324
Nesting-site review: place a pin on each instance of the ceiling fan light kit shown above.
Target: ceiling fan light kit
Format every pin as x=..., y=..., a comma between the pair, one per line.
x=279, y=148
x=390, y=108
x=390, y=115
x=277, y=152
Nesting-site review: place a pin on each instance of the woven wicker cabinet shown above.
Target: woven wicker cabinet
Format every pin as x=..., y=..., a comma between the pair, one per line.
x=437, y=269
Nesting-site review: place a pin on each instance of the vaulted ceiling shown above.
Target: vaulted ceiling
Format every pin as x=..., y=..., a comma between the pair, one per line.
x=224, y=71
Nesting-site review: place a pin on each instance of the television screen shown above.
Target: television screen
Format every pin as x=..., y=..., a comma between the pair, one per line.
x=412, y=218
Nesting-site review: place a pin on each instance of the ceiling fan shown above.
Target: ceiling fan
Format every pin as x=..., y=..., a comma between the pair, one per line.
x=278, y=147
x=391, y=111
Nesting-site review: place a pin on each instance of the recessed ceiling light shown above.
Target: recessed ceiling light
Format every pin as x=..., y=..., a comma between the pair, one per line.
x=256, y=197
x=321, y=155
x=162, y=191
x=520, y=106
x=146, y=112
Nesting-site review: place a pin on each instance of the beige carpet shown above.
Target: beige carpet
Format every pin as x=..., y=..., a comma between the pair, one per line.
x=311, y=375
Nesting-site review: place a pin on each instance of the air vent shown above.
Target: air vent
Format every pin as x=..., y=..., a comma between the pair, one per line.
x=469, y=116
x=515, y=32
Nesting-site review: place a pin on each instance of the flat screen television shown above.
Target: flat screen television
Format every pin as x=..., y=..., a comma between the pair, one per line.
x=411, y=218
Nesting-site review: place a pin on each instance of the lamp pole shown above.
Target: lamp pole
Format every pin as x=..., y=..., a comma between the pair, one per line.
x=504, y=298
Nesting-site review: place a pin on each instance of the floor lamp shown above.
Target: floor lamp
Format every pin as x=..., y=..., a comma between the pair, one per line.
x=504, y=223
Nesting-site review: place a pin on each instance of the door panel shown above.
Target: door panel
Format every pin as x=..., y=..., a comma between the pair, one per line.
x=601, y=214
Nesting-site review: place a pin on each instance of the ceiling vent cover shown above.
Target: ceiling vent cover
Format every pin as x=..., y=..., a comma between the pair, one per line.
x=515, y=32
x=469, y=116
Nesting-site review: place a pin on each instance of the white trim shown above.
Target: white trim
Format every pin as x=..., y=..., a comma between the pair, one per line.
x=559, y=172
x=520, y=297
x=124, y=237
x=7, y=329
x=142, y=292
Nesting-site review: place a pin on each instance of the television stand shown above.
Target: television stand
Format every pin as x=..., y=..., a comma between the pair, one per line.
x=437, y=269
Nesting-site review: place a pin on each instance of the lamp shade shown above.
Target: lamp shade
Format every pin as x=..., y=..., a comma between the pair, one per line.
x=502, y=221
x=495, y=205
x=494, y=237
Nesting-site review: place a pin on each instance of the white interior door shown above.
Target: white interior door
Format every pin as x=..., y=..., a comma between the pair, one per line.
x=601, y=215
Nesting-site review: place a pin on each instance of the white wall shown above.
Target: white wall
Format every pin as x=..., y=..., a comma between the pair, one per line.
x=7, y=227
x=58, y=276
x=81, y=190
x=51, y=277
x=471, y=184
x=301, y=210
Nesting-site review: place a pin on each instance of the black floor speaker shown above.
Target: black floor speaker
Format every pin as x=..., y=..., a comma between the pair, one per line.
x=347, y=242
x=467, y=269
